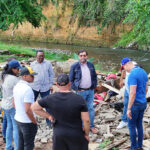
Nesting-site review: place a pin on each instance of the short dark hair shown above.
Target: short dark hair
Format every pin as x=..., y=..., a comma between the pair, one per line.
x=81, y=51
x=39, y=51
x=62, y=79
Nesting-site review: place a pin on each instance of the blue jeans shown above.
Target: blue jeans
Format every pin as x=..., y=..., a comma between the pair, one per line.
x=4, y=127
x=88, y=95
x=137, y=112
x=27, y=133
x=12, y=130
x=43, y=94
x=126, y=99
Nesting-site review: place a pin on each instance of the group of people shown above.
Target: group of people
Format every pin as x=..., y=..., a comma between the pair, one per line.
x=70, y=113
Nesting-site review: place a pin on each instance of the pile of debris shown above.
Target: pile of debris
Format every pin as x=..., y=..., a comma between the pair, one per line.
x=108, y=105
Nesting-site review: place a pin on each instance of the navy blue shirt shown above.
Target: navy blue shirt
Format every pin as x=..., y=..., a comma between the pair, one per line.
x=138, y=77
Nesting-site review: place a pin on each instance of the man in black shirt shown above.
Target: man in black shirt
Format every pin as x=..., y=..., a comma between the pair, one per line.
x=68, y=112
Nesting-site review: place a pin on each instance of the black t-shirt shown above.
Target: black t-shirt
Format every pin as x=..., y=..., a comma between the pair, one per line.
x=66, y=108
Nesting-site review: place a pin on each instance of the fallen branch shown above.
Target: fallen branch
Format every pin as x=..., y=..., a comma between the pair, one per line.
x=110, y=88
x=109, y=147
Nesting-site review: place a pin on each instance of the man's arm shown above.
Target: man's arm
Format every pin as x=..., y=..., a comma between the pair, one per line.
x=13, y=102
x=86, y=123
x=131, y=99
x=123, y=74
x=39, y=111
x=51, y=75
x=29, y=112
x=146, y=88
x=71, y=77
x=95, y=77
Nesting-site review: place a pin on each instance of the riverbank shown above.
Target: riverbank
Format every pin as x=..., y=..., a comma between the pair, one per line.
x=105, y=59
x=27, y=53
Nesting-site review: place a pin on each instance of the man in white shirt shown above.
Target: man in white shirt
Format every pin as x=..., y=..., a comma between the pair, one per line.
x=23, y=98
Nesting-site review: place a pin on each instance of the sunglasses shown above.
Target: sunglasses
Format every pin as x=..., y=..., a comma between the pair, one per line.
x=82, y=55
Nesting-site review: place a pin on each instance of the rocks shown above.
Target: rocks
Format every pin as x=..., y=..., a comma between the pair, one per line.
x=2, y=52
x=63, y=67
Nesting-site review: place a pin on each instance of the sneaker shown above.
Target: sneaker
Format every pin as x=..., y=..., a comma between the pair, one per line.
x=122, y=125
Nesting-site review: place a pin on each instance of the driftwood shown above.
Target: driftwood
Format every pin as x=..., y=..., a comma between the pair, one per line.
x=109, y=147
x=111, y=88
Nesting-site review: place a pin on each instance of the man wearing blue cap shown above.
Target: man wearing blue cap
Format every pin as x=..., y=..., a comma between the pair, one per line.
x=137, y=83
x=23, y=98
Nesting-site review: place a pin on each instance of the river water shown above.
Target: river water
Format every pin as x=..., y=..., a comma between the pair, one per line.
x=107, y=58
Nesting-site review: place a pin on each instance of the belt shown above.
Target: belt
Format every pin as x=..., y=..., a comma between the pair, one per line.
x=83, y=89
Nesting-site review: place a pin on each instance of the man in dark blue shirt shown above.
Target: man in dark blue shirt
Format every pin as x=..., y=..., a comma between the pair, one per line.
x=69, y=111
x=137, y=82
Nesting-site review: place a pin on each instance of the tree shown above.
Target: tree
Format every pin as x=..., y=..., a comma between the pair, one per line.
x=139, y=17
x=19, y=11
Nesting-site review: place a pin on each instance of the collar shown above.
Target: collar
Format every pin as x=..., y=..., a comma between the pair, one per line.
x=40, y=63
x=23, y=81
x=82, y=64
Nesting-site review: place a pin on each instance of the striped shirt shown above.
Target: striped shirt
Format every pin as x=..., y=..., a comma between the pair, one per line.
x=44, y=80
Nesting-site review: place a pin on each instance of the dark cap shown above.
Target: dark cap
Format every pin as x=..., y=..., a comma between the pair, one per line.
x=125, y=60
x=27, y=71
x=14, y=64
x=62, y=79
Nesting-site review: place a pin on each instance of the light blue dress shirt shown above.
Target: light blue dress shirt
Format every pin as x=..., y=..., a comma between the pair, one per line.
x=44, y=80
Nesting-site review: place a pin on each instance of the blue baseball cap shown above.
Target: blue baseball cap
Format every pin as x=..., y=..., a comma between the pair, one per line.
x=125, y=60
x=14, y=64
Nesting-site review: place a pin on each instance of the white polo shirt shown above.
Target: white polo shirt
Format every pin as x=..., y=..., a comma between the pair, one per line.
x=22, y=93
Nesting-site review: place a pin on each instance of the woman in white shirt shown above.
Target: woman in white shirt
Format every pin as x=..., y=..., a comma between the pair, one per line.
x=9, y=80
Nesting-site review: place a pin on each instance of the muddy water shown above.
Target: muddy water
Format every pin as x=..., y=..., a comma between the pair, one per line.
x=109, y=59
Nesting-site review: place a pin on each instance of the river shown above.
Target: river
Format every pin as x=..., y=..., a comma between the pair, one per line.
x=109, y=59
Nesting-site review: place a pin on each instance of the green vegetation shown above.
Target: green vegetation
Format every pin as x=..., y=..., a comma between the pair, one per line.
x=99, y=13
x=18, y=11
x=105, y=143
x=139, y=17
x=25, y=53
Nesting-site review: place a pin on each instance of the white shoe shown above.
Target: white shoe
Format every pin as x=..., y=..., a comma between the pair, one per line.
x=122, y=125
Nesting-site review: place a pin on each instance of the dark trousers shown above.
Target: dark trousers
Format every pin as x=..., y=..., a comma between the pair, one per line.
x=43, y=94
x=69, y=143
x=27, y=133
x=69, y=139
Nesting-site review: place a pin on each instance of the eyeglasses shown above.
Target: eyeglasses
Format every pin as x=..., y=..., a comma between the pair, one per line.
x=82, y=55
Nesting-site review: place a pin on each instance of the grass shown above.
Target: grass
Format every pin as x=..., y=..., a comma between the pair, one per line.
x=29, y=52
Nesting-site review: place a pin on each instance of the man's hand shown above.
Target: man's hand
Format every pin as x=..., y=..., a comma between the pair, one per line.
x=121, y=84
x=34, y=121
x=129, y=114
x=51, y=90
x=50, y=118
x=87, y=137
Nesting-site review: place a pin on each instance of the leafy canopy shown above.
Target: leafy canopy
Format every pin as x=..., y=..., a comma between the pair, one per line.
x=19, y=11
x=139, y=17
